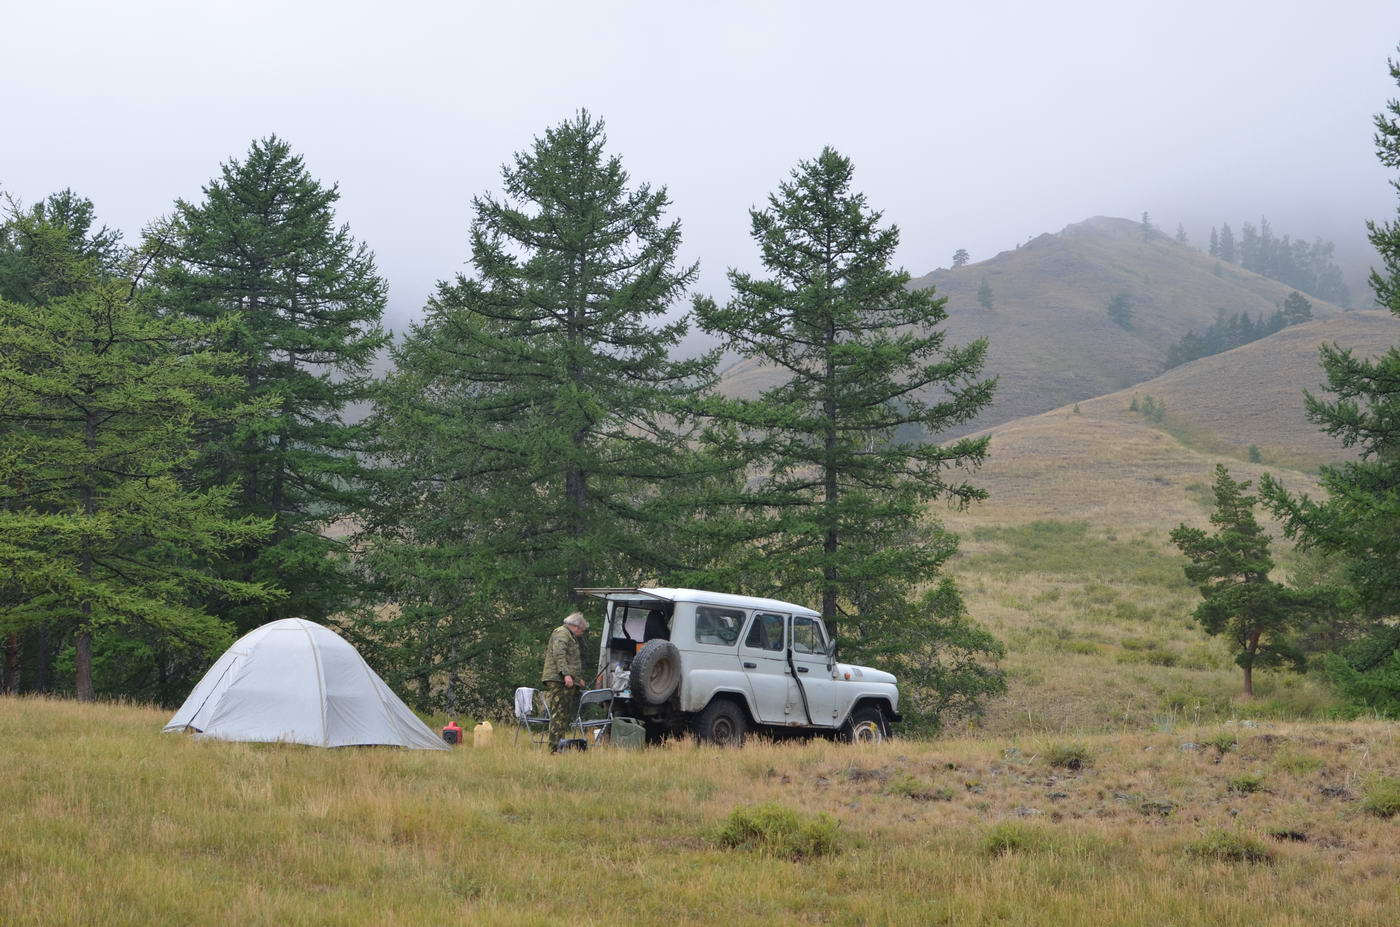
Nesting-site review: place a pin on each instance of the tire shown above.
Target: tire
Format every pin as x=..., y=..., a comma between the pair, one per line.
x=722, y=723
x=656, y=672
x=866, y=725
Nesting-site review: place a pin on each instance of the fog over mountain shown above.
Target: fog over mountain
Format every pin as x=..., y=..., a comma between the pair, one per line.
x=973, y=128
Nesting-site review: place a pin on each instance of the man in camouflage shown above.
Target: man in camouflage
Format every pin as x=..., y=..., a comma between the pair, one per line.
x=562, y=679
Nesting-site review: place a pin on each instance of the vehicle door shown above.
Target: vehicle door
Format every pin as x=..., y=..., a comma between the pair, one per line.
x=809, y=658
x=763, y=655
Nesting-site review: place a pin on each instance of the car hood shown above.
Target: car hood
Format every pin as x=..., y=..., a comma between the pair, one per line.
x=863, y=673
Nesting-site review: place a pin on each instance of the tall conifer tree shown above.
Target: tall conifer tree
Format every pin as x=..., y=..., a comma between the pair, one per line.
x=1359, y=520
x=838, y=505
x=302, y=301
x=531, y=429
x=98, y=530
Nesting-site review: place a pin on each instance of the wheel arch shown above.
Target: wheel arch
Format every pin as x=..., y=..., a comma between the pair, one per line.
x=739, y=697
x=880, y=702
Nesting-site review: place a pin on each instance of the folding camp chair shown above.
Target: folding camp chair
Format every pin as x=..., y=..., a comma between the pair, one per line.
x=595, y=715
x=531, y=715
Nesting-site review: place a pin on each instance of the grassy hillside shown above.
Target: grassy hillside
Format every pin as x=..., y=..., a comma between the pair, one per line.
x=108, y=822
x=1051, y=342
x=1069, y=561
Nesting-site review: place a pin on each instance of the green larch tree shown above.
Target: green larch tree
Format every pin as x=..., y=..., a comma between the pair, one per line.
x=302, y=302
x=1359, y=518
x=98, y=530
x=984, y=295
x=1231, y=570
x=839, y=490
x=531, y=432
x=49, y=250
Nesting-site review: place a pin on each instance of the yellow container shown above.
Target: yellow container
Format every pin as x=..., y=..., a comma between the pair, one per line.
x=481, y=734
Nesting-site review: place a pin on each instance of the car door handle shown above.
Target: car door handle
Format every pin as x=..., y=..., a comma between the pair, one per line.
x=750, y=666
x=802, y=669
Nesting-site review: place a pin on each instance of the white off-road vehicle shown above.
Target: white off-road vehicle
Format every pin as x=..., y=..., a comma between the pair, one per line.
x=722, y=665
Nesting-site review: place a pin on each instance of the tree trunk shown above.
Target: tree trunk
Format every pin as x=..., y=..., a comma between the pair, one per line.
x=1248, y=665
x=831, y=490
x=43, y=664
x=9, y=680
x=82, y=663
x=82, y=642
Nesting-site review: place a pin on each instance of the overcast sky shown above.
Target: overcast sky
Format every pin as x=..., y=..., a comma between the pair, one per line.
x=974, y=125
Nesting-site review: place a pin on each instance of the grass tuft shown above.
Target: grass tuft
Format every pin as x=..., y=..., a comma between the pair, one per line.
x=774, y=830
x=1012, y=837
x=1246, y=784
x=1068, y=756
x=1231, y=847
x=1383, y=797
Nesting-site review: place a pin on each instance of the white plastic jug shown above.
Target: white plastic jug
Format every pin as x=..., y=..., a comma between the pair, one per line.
x=481, y=734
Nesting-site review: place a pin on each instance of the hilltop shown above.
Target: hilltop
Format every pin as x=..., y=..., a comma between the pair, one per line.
x=1050, y=340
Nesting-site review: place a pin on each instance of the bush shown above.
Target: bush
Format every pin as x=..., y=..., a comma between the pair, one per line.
x=1230, y=846
x=1383, y=797
x=1246, y=784
x=773, y=830
x=1223, y=742
x=1011, y=837
x=1068, y=756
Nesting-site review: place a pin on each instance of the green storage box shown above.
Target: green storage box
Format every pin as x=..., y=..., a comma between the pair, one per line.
x=628, y=733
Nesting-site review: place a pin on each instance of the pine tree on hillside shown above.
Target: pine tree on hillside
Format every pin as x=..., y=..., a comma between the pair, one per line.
x=837, y=502
x=984, y=295
x=960, y=257
x=1214, y=243
x=99, y=534
x=1296, y=309
x=1181, y=234
x=531, y=432
x=1359, y=520
x=1231, y=569
x=1120, y=311
x=303, y=303
x=1227, y=244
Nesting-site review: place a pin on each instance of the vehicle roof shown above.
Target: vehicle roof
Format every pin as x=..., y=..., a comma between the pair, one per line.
x=704, y=597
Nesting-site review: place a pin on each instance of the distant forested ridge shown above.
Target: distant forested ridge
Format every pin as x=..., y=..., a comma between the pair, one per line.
x=1229, y=332
x=1310, y=267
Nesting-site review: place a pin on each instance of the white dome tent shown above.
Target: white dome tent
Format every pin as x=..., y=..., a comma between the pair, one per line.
x=298, y=682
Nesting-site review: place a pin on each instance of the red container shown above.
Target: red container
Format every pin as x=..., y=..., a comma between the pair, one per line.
x=452, y=733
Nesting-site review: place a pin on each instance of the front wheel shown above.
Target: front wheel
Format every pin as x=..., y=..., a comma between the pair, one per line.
x=722, y=723
x=866, y=725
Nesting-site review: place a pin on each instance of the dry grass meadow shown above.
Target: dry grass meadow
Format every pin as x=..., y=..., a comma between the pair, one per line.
x=109, y=822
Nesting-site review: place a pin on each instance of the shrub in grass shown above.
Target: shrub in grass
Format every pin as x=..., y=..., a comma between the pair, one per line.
x=1246, y=785
x=1223, y=742
x=907, y=786
x=1068, y=756
x=774, y=830
x=1011, y=837
x=1383, y=797
x=1230, y=846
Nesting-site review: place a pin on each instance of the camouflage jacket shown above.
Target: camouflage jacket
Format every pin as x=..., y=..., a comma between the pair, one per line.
x=563, y=656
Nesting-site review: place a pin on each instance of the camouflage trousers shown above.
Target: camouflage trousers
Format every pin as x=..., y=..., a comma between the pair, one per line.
x=563, y=709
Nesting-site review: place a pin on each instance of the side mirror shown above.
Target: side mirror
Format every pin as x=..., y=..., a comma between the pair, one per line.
x=831, y=652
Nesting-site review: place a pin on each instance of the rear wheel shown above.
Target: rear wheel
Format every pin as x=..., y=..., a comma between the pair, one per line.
x=722, y=723
x=866, y=725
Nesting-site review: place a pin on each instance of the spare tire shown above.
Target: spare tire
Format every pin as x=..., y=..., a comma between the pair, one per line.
x=656, y=671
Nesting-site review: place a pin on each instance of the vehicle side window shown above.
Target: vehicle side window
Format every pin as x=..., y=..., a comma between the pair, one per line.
x=807, y=636
x=718, y=627
x=766, y=632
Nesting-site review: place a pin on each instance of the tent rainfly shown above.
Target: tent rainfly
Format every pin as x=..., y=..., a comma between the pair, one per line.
x=298, y=682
